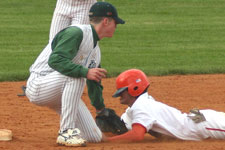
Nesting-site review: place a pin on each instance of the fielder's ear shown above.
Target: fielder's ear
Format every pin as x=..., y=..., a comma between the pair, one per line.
x=106, y=21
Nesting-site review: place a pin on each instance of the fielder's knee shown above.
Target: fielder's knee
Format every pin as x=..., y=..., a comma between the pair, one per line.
x=33, y=99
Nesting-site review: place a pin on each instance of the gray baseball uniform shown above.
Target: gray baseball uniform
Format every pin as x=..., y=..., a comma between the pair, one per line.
x=57, y=78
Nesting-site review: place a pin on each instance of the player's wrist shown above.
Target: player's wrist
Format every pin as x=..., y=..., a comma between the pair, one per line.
x=100, y=111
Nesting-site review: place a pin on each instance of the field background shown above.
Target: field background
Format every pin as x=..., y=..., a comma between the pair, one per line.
x=161, y=37
x=170, y=40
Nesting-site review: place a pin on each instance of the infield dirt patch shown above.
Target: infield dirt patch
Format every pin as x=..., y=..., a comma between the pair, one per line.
x=36, y=128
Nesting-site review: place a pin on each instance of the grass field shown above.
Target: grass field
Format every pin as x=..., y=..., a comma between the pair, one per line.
x=161, y=37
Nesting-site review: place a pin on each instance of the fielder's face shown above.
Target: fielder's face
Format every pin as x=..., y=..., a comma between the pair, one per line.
x=110, y=27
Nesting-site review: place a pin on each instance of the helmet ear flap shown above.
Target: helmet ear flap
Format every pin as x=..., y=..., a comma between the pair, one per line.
x=134, y=89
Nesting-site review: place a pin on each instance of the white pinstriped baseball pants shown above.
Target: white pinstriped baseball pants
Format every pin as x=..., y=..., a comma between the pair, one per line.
x=68, y=12
x=63, y=94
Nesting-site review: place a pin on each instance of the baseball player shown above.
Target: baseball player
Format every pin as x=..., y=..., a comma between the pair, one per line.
x=69, y=12
x=58, y=75
x=144, y=113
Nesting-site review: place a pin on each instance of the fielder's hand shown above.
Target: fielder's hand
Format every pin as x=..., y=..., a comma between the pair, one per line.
x=108, y=121
x=96, y=74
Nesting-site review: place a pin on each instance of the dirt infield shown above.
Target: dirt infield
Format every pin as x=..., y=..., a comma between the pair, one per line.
x=36, y=127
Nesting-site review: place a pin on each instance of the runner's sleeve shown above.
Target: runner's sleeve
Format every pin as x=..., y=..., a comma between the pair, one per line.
x=136, y=134
x=65, y=46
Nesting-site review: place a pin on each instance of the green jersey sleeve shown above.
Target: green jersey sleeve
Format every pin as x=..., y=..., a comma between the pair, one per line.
x=65, y=46
x=95, y=94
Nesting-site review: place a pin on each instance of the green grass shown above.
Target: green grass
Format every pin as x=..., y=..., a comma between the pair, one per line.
x=24, y=28
x=161, y=37
x=169, y=37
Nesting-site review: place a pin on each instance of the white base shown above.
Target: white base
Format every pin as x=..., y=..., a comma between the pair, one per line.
x=5, y=135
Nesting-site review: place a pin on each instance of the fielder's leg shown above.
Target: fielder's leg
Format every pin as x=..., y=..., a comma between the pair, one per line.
x=86, y=123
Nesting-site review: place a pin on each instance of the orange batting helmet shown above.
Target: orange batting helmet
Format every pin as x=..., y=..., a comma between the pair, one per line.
x=134, y=80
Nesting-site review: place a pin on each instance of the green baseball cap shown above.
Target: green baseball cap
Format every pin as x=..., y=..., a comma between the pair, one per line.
x=105, y=9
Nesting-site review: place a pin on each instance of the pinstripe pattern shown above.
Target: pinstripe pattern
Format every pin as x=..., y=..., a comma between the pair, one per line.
x=70, y=102
x=68, y=12
x=46, y=90
x=84, y=56
x=47, y=87
x=41, y=66
x=85, y=124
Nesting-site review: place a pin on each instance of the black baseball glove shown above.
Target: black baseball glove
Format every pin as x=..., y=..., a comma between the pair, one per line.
x=108, y=121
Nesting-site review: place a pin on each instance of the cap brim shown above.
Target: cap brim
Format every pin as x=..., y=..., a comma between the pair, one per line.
x=119, y=21
x=119, y=91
